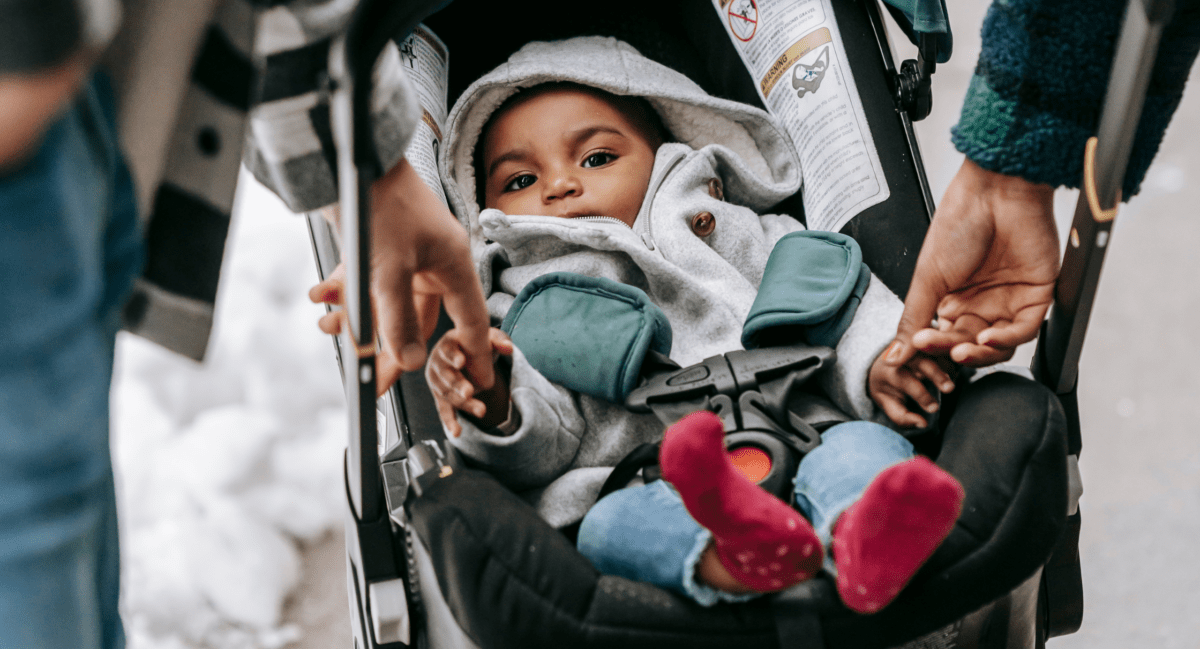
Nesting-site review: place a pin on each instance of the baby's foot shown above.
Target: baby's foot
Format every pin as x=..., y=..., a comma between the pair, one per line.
x=763, y=543
x=880, y=541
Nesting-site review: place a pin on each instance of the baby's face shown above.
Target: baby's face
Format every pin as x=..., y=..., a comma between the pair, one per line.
x=567, y=153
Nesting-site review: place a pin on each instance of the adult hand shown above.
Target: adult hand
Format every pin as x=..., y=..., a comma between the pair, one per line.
x=987, y=270
x=421, y=258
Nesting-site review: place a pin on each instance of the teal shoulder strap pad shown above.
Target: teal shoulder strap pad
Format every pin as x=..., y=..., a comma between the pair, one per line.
x=811, y=287
x=587, y=334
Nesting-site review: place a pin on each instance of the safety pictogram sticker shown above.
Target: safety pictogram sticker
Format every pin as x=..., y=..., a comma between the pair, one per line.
x=743, y=19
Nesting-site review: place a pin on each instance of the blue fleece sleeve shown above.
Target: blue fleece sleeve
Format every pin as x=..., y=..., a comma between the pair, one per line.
x=1039, y=87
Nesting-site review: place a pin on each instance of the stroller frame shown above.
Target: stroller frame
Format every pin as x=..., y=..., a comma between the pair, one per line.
x=385, y=565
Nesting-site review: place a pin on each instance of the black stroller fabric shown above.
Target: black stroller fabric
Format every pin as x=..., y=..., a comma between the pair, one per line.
x=512, y=581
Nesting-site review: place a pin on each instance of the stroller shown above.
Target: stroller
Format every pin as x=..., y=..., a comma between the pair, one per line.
x=442, y=555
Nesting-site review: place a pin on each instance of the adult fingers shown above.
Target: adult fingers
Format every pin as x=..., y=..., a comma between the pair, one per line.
x=398, y=322
x=1011, y=334
x=935, y=342
x=950, y=333
x=329, y=291
x=919, y=308
x=428, y=307
x=387, y=371
x=466, y=307
x=500, y=342
x=331, y=323
x=973, y=355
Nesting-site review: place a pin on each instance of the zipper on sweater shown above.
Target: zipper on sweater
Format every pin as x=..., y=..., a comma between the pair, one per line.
x=645, y=236
x=601, y=219
x=651, y=192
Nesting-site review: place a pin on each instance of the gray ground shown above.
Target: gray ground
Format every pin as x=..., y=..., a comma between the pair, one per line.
x=1141, y=459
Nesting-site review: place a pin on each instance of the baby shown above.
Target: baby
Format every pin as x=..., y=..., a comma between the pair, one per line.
x=594, y=160
x=578, y=178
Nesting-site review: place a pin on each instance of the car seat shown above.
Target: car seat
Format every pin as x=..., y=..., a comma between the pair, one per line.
x=440, y=554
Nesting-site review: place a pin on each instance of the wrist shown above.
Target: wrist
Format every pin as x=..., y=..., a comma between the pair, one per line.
x=1004, y=185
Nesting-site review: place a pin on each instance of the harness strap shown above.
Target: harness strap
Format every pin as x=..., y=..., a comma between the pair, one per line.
x=591, y=335
x=643, y=456
x=810, y=290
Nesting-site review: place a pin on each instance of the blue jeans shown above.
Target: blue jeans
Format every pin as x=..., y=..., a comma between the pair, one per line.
x=70, y=248
x=644, y=533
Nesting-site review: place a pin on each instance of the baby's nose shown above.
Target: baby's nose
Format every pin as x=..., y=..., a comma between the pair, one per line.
x=563, y=185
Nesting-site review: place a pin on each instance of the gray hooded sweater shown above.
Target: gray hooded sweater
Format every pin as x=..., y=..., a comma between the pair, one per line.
x=559, y=445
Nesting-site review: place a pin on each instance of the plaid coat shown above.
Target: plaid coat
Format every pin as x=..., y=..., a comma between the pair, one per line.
x=252, y=96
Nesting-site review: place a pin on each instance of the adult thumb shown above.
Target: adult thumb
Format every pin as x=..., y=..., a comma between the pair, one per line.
x=920, y=306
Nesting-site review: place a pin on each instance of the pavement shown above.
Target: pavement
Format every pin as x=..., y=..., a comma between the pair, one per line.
x=1137, y=396
x=1137, y=383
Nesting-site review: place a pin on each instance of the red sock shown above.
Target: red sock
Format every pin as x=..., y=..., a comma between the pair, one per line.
x=880, y=541
x=762, y=542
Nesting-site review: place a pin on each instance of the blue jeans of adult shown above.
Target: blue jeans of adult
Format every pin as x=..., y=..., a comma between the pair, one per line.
x=644, y=533
x=70, y=248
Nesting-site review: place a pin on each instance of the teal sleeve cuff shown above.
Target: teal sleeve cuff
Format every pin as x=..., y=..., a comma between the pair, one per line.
x=1008, y=137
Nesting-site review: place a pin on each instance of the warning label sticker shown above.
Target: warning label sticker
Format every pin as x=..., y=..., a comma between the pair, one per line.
x=743, y=19
x=425, y=60
x=795, y=55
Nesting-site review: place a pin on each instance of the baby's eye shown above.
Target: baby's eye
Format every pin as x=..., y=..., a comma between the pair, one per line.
x=520, y=182
x=598, y=160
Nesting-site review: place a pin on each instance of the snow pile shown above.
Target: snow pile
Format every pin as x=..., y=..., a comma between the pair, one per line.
x=223, y=467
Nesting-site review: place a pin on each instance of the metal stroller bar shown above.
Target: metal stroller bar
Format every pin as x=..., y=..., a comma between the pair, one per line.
x=363, y=454
x=379, y=609
x=1056, y=363
x=351, y=60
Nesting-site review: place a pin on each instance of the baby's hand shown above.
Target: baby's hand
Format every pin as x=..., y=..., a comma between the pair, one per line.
x=452, y=390
x=890, y=385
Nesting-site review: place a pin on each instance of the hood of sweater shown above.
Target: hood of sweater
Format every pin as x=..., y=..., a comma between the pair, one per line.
x=762, y=165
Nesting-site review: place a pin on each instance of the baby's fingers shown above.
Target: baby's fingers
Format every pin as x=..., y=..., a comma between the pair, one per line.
x=447, y=383
x=449, y=418
x=914, y=388
x=893, y=406
x=929, y=368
